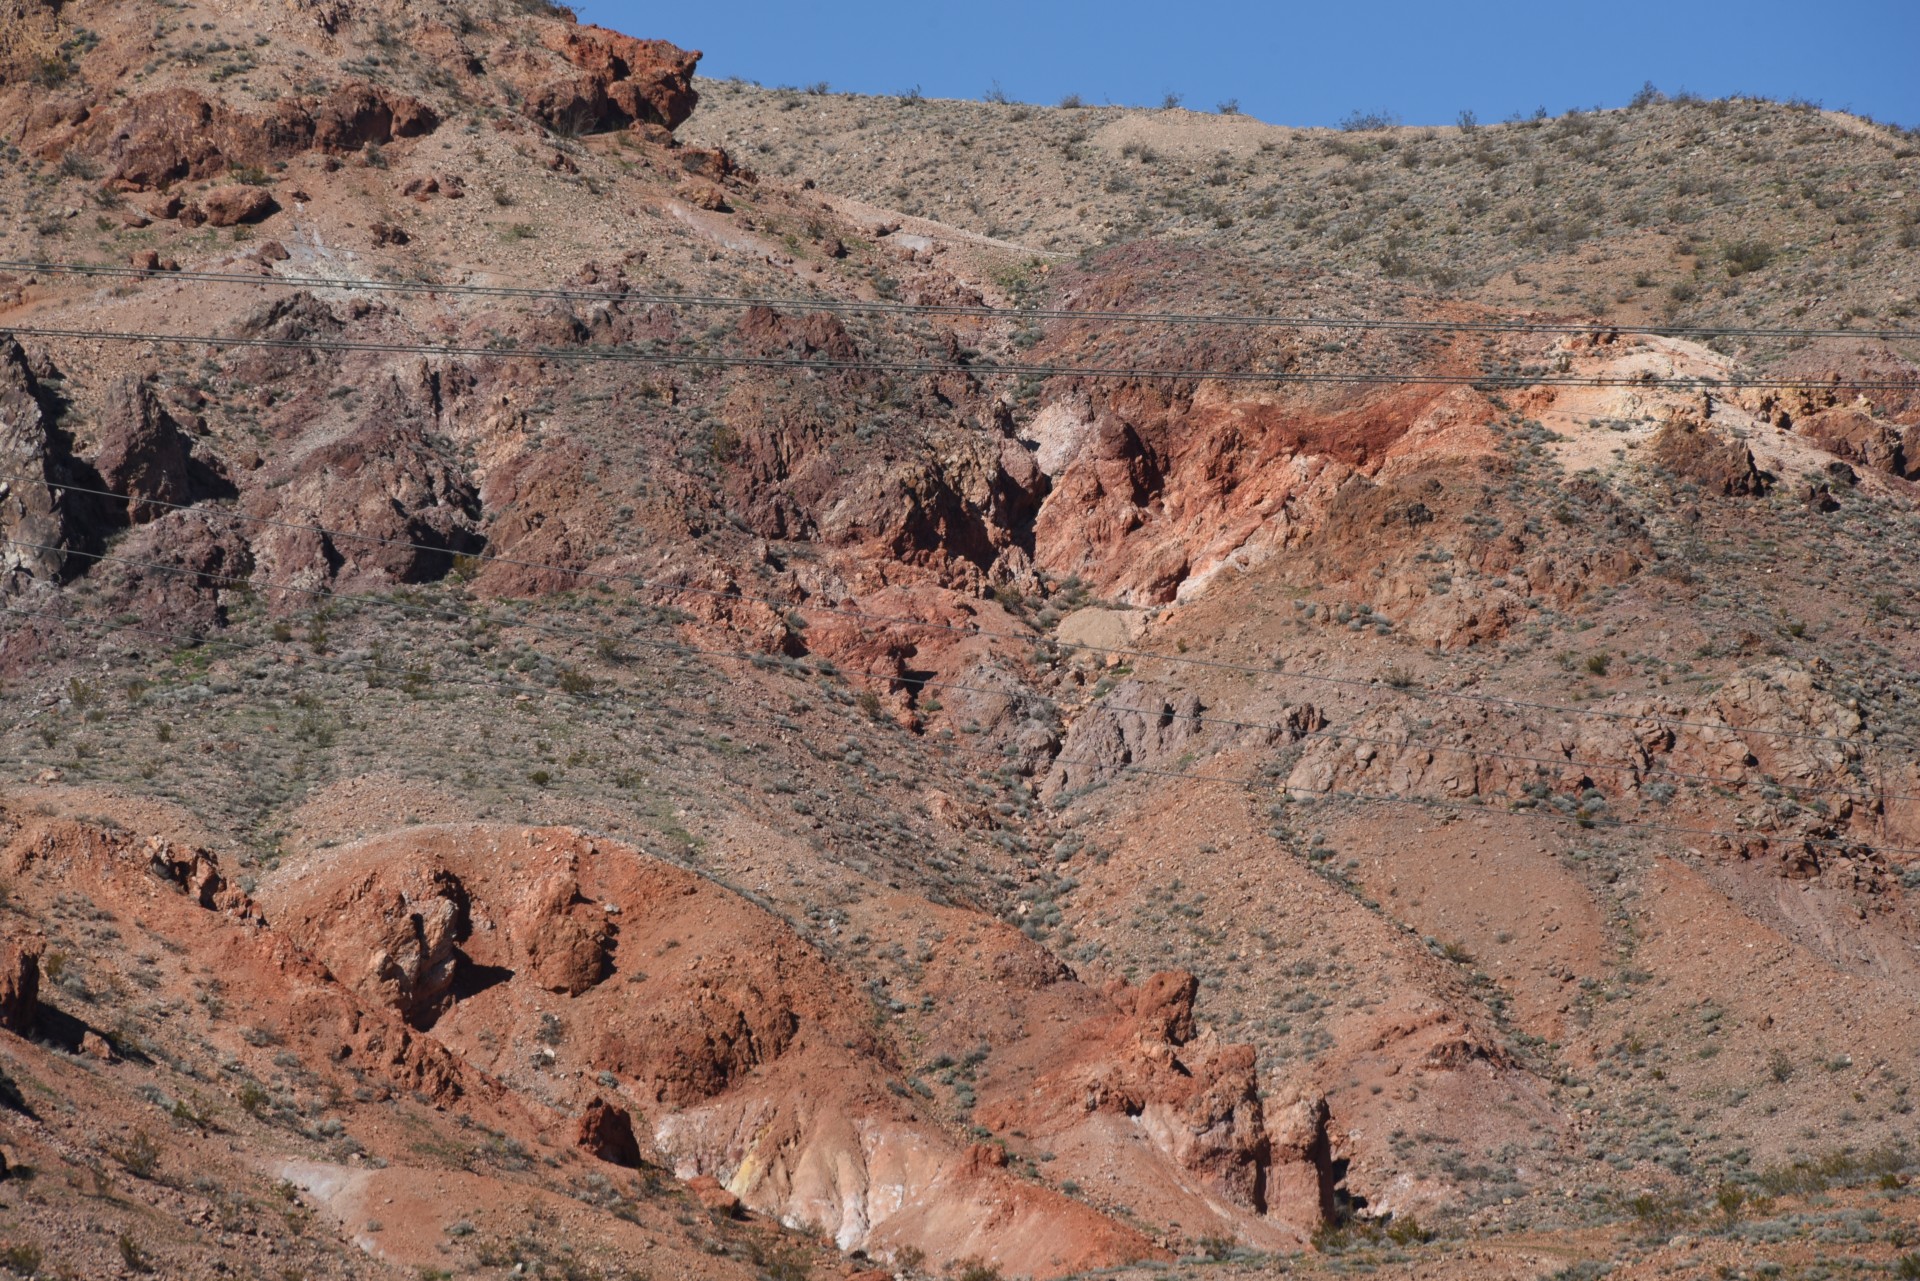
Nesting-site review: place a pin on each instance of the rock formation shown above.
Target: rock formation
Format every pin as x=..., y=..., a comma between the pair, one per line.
x=20, y=982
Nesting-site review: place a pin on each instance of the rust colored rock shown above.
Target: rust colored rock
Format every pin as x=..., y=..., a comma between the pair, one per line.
x=1851, y=433
x=1690, y=451
x=179, y=135
x=231, y=206
x=817, y=333
x=704, y=195
x=20, y=982
x=606, y=1131
x=709, y=1193
x=358, y=115
x=982, y=1157
x=143, y=454
x=1164, y=1003
x=95, y=1046
x=564, y=939
x=627, y=80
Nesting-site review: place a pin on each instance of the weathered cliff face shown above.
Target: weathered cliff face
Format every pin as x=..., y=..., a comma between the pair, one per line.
x=33, y=516
x=751, y=1059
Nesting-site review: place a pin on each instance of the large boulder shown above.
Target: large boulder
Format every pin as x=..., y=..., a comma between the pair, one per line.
x=33, y=514
x=231, y=206
x=621, y=81
x=562, y=940
x=143, y=454
x=20, y=983
x=1692, y=452
x=606, y=1131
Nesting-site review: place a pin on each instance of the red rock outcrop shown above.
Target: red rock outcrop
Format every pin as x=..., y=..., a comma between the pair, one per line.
x=1693, y=453
x=20, y=982
x=143, y=454
x=760, y=1055
x=231, y=206
x=179, y=134
x=606, y=1131
x=622, y=81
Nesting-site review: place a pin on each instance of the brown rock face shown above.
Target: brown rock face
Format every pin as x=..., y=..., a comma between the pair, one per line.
x=416, y=951
x=1138, y=724
x=606, y=1130
x=622, y=81
x=397, y=504
x=20, y=983
x=176, y=565
x=33, y=516
x=1690, y=451
x=564, y=946
x=143, y=454
x=230, y=206
x=1852, y=433
x=179, y=135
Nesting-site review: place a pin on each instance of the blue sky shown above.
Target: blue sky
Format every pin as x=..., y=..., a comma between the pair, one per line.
x=1312, y=64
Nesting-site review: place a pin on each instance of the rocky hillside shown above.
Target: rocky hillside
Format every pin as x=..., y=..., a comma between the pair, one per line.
x=602, y=680
x=1731, y=212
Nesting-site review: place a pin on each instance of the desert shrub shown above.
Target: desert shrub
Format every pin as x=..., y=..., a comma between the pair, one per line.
x=1748, y=255
x=1368, y=121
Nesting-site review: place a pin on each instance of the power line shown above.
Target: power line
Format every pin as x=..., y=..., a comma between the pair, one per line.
x=856, y=307
x=640, y=582
x=1249, y=783
x=624, y=355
